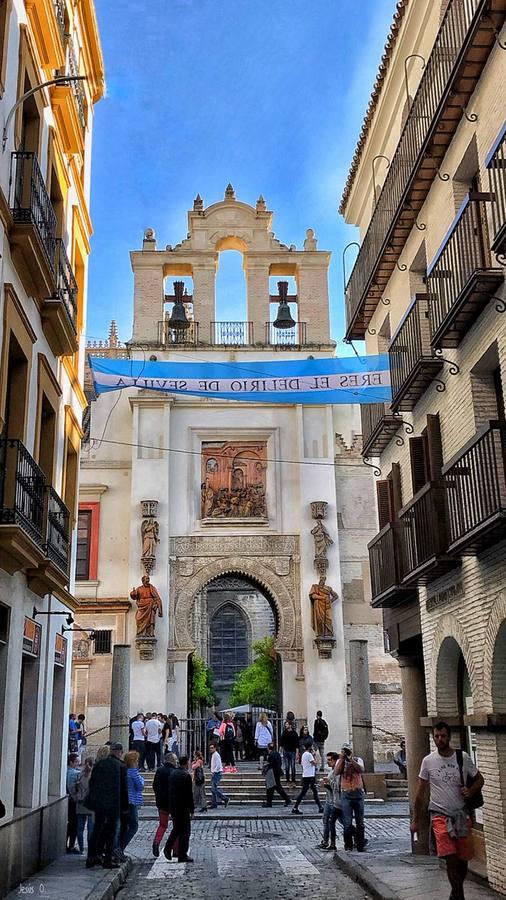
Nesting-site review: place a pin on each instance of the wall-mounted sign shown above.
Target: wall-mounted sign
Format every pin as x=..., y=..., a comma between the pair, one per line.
x=60, y=650
x=442, y=598
x=31, y=637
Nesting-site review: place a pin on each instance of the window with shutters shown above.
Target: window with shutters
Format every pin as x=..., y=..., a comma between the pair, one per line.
x=83, y=545
x=102, y=641
x=419, y=453
x=389, y=496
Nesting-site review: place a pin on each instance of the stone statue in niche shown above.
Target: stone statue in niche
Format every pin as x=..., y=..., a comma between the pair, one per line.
x=149, y=606
x=233, y=482
x=322, y=539
x=322, y=597
x=150, y=530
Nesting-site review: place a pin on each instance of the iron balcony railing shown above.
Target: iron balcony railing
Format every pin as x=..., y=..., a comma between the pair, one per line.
x=57, y=537
x=176, y=337
x=423, y=523
x=77, y=86
x=31, y=203
x=286, y=337
x=66, y=284
x=378, y=426
x=475, y=482
x=496, y=165
x=412, y=360
x=460, y=19
x=21, y=489
x=454, y=279
x=386, y=560
x=232, y=334
x=59, y=10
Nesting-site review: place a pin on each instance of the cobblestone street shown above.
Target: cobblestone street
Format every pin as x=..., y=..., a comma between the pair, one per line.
x=251, y=859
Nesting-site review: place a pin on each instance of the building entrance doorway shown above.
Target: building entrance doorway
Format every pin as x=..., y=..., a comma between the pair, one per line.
x=230, y=615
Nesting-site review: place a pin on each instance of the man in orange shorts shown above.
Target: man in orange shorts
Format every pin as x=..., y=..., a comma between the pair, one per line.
x=451, y=825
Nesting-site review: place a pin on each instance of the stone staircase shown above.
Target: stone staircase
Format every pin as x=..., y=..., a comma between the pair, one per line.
x=397, y=788
x=243, y=788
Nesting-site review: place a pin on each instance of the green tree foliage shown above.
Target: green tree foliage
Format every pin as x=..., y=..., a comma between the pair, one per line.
x=258, y=683
x=202, y=683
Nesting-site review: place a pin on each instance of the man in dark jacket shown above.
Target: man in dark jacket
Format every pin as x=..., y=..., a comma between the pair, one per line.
x=181, y=810
x=289, y=744
x=161, y=788
x=273, y=777
x=108, y=798
x=320, y=734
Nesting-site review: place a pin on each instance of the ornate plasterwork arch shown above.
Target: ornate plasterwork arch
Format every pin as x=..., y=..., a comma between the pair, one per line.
x=272, y=563
x=449, y=627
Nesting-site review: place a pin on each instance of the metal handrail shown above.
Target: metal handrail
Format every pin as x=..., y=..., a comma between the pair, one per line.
x=57, y=537
x=31, y=203
x=233, y=334
x=496, y=165
x=66, y=284
x=22, y=484
x=458, y=23
x=286, y=337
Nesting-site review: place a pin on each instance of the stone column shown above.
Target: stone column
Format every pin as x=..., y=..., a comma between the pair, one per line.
x=204, y=294
x=361, y=717
x=257, y=280
x=120, y=695
x=414, y=702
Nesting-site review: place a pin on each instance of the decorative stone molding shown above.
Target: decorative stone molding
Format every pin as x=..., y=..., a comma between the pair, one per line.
x=319, y=509
x=146, y=647
x=149, y=508
x=325, y=646
x=267, y=559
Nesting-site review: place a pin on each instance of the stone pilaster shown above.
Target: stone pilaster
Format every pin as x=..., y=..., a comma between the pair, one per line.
x=361, y=716
x=120, y=695
x=204, y=296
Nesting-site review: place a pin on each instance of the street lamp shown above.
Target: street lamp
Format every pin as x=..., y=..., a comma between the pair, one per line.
x=60, y=79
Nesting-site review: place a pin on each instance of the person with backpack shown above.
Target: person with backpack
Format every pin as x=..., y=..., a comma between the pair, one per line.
x=199, y=782
x=79, y=793
x=309, y=764
x=227, y=738
x=451, y=782
x=320, y=735
x=350, y=770
x=272, y=771
x=161, y=788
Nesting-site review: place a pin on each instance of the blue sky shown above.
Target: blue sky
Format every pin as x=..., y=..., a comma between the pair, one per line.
x=266, y=94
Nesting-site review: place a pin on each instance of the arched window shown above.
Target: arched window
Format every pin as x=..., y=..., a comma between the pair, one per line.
x=229, y=642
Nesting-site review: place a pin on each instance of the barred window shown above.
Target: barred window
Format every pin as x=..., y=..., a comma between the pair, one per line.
x=103, y=641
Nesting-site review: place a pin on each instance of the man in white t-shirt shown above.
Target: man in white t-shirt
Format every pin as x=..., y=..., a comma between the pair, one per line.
x=309, y=765
x=216, y=776
x=139, y=738
x=440, y=777
x=153, y=728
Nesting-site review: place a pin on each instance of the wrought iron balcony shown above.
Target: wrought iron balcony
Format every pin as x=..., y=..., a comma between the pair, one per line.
x=461, y=278
x=387, y=567
x=59, y=10
x=496, y=165
x=232, y=334
x=77, y=86
x=475, y=481
x=21, y=506
x=413, y=364
x=461, y=49
x=59, y=312
x=57, y=533
x=286, y=337
x=378, y=427
x=177, y=337
x=34, y=230
x=424, y=535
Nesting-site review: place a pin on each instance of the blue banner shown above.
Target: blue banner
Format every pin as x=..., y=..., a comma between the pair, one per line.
x=346, y=380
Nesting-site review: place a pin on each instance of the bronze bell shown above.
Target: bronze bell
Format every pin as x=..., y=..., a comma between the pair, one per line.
x=284, y=316
x=178, y=318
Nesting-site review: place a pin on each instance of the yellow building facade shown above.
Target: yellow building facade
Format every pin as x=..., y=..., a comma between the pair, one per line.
x=427, y=190
x=45, y=231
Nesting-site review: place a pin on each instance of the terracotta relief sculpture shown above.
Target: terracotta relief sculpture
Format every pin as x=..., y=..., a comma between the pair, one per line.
x=233, y=480
x=322, y=595
x=149, y=531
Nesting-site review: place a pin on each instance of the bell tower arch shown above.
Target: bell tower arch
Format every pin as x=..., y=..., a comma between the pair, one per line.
x=231, y=224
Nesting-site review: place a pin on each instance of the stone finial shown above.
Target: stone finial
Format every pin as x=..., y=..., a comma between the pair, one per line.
x=198, y=203
x=149, y=238
x=261, y=205
x=113, y=334
x=229, y=192
x=311, y=243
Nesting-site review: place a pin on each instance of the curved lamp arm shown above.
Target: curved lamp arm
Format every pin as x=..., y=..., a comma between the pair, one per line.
x=61, y=79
